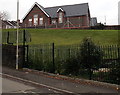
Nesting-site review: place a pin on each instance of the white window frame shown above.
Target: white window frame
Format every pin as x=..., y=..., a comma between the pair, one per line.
x=54, y=21
x=60, y=17
x=41, y=20
x=36, y=19
x=30, y=22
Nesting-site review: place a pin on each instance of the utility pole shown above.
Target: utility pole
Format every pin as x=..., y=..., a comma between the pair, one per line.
x=17, y=51
x=105, y=20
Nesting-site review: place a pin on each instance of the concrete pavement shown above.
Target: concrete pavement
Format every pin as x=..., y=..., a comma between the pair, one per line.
x=9, y=86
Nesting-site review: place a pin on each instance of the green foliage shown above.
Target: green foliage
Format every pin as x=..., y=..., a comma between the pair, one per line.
x=48, y=67
x=71, y=66
x=115, y=73
x=99, y=26
x=90, y=56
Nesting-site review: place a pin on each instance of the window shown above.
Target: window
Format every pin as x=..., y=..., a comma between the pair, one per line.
x=41, y=21
x=35, y=20
x=53, y=21
x=30, y=22
x=60, y=17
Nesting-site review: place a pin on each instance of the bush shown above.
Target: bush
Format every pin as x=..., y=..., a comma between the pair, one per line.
x=90, y=56
x=71, y=66
x=115, y=73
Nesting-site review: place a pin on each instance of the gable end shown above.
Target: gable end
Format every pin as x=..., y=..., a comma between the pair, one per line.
x=40, y=7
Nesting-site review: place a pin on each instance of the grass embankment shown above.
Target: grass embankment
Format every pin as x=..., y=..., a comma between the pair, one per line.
x=67, y=37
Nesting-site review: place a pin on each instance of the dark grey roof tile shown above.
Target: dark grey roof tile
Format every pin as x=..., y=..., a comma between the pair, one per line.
x=70, y=10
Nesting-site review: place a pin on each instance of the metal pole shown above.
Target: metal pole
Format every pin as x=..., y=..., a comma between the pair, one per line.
x=24, y=48
x=53, y=47
x=17, y=55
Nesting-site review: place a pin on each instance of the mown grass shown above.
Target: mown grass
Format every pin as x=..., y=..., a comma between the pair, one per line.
x=68, y=37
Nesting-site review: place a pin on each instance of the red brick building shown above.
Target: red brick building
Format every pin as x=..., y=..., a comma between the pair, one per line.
x=77, y=15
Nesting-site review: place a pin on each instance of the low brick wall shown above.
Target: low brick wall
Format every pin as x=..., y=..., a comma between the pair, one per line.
x=9, y=56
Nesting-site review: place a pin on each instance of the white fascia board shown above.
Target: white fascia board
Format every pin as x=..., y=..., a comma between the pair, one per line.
x=32, y=8
x=60, y=9
x=42, y=9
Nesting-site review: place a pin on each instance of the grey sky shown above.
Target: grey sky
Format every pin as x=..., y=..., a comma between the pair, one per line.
x=98, y=8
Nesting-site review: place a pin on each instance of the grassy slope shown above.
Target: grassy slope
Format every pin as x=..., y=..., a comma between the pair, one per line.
x=66, y=37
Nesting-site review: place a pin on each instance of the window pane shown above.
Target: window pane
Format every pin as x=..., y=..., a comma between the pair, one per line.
x=41, y=21
x=60, y=18
x=53, y=21
x=35, y=16
x=35, y=19
x=30, y=22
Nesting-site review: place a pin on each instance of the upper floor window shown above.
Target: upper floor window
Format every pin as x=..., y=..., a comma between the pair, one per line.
x=41, y=20
x=60, y=17
x=36, y=19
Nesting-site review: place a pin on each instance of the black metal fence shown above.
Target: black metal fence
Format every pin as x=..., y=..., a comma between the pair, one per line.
x=9, y=37
x=56, y=59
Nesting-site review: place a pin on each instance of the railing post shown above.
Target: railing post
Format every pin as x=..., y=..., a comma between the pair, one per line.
x=24, y=48
x=27, y=58
x=53, y=56
x=118, y=54
x=8, y=37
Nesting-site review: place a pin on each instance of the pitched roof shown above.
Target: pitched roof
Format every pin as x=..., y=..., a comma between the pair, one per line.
x=13, y=23
x=5, y=22
x=70, y=10
x=10, y=23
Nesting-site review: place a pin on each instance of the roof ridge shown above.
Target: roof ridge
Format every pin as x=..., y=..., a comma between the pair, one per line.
x=66, y=5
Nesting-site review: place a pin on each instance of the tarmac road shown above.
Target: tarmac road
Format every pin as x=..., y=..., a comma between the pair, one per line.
x=58, y=85
x=10, y=86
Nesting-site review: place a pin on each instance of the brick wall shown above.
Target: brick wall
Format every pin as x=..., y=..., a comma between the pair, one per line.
x=76, y=21
x=34, y=11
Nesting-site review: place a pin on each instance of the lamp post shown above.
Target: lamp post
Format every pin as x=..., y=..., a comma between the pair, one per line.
x=17, y=51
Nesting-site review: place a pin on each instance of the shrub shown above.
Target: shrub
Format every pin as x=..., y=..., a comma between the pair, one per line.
x=71, y=66
x=90, y=56
x=114, y=74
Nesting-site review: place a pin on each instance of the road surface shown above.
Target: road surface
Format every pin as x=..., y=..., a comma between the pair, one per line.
x=11, y=86
x=56, y=85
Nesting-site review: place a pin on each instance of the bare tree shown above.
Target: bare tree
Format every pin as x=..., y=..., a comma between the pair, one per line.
x=4, y=15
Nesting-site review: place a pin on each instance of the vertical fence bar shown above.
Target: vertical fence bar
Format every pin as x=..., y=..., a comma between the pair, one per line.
x=27, y=54
x=8, y=37
x=53, y=56
x=1, y=57
x=24, y=48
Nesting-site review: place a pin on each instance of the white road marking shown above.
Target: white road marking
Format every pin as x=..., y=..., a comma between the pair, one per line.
x=58, y=89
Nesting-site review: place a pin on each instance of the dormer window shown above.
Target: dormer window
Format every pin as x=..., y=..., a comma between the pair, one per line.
x=60, y=12
x=60, y=17
x=60, y=9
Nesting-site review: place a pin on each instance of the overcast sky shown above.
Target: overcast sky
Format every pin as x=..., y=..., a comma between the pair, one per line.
x=98, y=8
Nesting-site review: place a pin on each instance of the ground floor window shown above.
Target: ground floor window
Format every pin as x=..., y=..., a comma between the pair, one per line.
x=41, y=21
x=30, y=22
x=35, y=20
x=53, y=21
